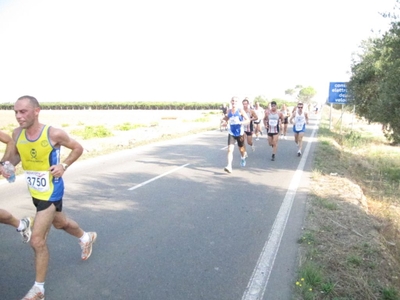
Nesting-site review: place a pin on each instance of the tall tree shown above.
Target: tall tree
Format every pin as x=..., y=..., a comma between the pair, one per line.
x=294, y=92
x=306, y=94
x=374, y=86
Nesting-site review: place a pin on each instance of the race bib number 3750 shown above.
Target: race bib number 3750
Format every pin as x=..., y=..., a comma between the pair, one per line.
x=38, y=181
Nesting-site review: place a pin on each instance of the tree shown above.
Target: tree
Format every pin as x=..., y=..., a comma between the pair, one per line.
x=292, y=92
x=261, y=100
x=306, y=94
x=374, y=86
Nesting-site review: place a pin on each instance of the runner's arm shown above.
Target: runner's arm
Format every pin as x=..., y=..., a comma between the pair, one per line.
x=266, y=118
x=245, y=117
x=281, y=117
x=225, y=117
x=291, y=118
x=9, y=152
x=6, y=139
x=60, y=138
x=254, y=116
x=13, y=156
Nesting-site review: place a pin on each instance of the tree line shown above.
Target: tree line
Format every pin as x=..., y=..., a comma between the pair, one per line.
x=122, y=105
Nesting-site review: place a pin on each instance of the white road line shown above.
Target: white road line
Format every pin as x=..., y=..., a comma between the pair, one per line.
x=155, y=178
x=259, y=279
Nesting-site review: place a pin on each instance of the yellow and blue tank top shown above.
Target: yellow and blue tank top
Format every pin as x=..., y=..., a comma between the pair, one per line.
x=37, y=156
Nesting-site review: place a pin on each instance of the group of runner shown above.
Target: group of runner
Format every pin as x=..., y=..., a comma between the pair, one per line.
x=247, y=121
x=37, y=147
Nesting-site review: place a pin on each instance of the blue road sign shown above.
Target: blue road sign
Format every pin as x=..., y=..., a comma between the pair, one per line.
x=338, y=92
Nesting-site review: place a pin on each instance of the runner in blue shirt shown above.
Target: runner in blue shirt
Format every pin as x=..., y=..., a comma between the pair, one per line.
x=236, y=118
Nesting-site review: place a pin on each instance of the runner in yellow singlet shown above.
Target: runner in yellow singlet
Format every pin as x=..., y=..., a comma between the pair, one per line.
x=38, y=148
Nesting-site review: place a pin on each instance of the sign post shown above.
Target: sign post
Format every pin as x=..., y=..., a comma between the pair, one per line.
x=337, y=95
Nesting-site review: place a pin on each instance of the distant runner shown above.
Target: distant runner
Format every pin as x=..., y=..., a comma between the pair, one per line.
x=272, y=121
x=249, y=129
x=257, y=124
x=299, y=125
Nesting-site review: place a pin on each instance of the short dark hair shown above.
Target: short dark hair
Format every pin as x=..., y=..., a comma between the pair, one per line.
x=31, y=99
x=273, y=102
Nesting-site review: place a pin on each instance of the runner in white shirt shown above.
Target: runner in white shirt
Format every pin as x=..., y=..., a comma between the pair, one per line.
x=299, y=119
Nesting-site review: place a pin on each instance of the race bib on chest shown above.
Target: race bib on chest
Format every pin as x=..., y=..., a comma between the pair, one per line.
x=234, y=120
x=299, y=126
x=38, y=180
x=273, y=122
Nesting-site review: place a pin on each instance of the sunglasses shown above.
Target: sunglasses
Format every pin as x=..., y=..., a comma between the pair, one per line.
x=299, y=106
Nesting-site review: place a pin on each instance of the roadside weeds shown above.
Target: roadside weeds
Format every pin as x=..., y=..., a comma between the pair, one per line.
x=350, y=245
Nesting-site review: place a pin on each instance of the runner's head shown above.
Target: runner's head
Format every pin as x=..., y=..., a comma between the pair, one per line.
x=273, y=106
x=234, y=101
x=27, y=110
x=300, y=105
x=245, y=103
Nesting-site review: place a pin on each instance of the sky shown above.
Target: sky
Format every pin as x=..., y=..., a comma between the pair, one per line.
x=179, y=50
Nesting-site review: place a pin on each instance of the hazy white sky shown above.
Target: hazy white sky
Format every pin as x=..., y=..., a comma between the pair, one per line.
x=178, y=50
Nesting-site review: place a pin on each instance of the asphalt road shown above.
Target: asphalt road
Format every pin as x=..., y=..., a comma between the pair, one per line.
x=171, y=224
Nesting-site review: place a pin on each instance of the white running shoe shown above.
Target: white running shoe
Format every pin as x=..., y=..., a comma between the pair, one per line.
x=34, y=294
x=27, y=231
x=228, y=169
x=87, y=247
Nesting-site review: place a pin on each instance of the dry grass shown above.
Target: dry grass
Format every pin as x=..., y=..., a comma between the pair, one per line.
x=351, y=235
x=146, y=126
